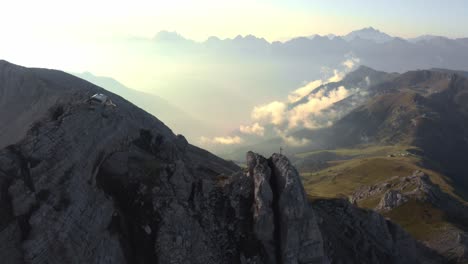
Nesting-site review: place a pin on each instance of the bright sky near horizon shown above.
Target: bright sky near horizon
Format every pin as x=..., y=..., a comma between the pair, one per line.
x=70, y=30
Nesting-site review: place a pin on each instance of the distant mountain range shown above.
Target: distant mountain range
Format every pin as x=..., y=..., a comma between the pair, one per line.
x=374, y=48
x=369, y=33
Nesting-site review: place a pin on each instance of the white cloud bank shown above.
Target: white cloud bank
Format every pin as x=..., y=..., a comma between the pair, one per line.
x=303, y=105
x=222, y=140
x=254, y=129
x=301, y=109
x=272, y=113
x=301, y=114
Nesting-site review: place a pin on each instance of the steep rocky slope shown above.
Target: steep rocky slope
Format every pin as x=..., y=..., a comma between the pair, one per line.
x=353, y=235
x=418, y=191
x=89, y=183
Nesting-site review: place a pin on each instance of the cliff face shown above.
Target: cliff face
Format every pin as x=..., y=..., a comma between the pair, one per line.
x=284, y=222
x=89, y=183
x=101, y=184
x=92, y=186
x=354, y=235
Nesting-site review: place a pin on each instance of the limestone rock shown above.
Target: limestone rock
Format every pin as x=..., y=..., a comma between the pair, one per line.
x=391, y=199
x=354, y=235
x=300, y=238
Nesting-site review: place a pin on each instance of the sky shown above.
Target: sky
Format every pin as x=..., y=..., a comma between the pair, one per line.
x=69, y=34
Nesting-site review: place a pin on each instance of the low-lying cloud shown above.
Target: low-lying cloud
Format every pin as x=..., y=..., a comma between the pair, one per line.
x=290, y=140
x=254, y=129
x=271, y=113
x=305, y=105
x=301, y=114
x=303, y=108
x=299, y=93
x=222, y=140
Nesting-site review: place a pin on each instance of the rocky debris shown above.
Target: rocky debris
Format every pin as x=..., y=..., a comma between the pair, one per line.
x=368, y=191
x=354, y=235
x=453, y=244
x=391, y=199
x=418, y=185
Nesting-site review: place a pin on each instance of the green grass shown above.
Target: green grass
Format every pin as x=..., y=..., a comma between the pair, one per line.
x=370, y=202
x=421, y=220
x=362, y=151
x=373, y=165
x=345, y=177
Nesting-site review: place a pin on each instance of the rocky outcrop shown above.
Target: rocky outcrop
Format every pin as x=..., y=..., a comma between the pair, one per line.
x=264, y=214
x=419, y=187
x=284, y=220
x=299, y=236
x=354, y=235
x=391, y=199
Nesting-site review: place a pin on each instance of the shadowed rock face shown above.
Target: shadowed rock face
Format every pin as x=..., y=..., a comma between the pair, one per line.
x=101, y=184
x=283, y=219
x=353, y=235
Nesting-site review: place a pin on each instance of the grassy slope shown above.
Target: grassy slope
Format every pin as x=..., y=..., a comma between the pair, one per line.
x=375, y=164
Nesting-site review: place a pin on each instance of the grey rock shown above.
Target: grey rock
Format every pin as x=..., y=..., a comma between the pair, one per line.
x=264, y=216
x=391, y=199
x=354, y=235
x=300, y=238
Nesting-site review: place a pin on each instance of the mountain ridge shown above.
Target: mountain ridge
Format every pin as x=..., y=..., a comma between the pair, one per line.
x=113, y=184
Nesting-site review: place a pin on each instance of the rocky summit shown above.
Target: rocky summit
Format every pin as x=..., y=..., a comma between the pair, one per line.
x=82, y=182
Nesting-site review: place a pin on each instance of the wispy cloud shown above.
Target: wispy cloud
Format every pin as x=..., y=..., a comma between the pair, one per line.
x=254, y=129
x=299, y=93
x=222, y=140
x=303, y=108
x=300, y=115
x=351, y=62
x=273, y=113
x=290, y=140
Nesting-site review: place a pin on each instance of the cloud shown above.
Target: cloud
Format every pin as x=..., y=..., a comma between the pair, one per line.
x=255, y=129
x=295, y=142
x=351, y=63
x=304, y=106
x=368, y=82
x=290, y=140
x=273, y=113
x=336, y=77
x=308, y=106
x=315, y=104
x=299, y=93
x=222, y=140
